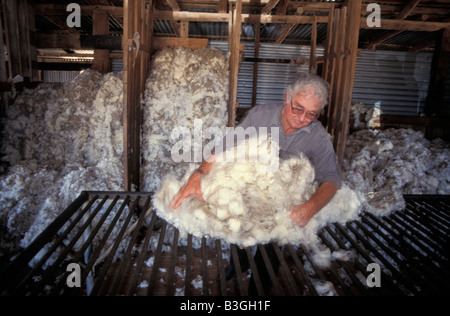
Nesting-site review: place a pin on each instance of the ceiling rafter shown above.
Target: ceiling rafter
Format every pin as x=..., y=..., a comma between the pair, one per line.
x=407, y=9
x=279, y=15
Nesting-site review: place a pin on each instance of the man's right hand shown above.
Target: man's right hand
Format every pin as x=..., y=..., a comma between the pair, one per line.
x=192, y=186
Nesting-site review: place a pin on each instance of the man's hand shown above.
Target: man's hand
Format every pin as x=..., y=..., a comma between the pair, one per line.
x=192, y=186
x=301, y=214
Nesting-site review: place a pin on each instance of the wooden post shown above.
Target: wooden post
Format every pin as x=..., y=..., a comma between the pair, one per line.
x=351, y=51
x=101, y=27
x=4, y=96
x=326, y=66
x=137, y=34
x=184, y=29
x=341, y=62
x=233, y=47
x=18, y=25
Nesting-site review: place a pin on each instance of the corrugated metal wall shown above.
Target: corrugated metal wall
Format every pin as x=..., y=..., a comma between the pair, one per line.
x=273, y=78
x=58, y=75
x=396, y=82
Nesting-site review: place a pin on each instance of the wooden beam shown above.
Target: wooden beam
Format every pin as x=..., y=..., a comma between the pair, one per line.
x=282, y=7
x=407, y=25
x=402, y=15
x=269, y=6
x=223, y=17
x=407, y=9
x=159, y=43
x=173, y=4
x=69, y=41
x=191, y=16
x=101, y=62
x=288, y=28
x=423, y=46
x=60, y=9
x=388, y=24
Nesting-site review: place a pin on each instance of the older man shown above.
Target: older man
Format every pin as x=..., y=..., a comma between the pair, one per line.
x=299, y=132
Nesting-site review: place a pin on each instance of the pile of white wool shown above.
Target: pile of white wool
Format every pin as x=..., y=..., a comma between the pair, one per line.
x=184, y=85
x=59, y=139
x=382, y=165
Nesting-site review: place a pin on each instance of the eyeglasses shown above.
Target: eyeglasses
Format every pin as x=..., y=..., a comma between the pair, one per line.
x=309, y=115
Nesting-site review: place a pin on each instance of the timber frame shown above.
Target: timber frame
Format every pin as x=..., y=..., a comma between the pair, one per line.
x=134, y=33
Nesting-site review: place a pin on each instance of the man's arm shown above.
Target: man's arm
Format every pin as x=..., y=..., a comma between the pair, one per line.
x=193, y=185
x=301, y=214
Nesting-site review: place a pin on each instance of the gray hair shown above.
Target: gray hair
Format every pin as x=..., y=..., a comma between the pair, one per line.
x=305, y=81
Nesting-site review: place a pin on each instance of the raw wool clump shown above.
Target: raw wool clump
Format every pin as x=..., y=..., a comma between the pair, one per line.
x=60, y=139
x=184, y=85
x=248, y=204
x=382, y=165
x=370, y=114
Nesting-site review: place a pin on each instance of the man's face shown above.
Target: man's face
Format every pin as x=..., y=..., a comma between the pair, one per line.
x=301, y=110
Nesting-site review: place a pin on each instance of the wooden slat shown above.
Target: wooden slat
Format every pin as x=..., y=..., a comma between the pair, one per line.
x=255, y=64
x=159, y=43
x=312, y=56
x=407, y=25
x=269, y=6
x=340, y=67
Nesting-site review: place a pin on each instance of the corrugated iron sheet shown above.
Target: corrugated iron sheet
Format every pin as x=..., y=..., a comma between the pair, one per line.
x=396, y=82
x=273, y=78
x=58, y=75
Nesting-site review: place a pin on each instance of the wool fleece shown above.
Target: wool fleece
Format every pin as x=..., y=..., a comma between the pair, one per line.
x=247, y=203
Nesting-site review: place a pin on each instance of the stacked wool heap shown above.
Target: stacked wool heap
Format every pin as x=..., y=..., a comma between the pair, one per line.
x=246, y=203
x=183, y=85
x=385, y=164
x=60, y=139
